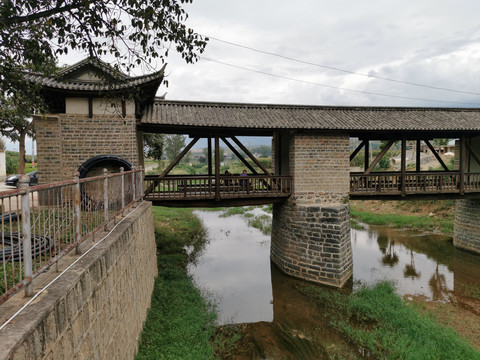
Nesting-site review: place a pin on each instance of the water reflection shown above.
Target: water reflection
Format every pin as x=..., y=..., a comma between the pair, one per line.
x=390, y=254
x=235, y=266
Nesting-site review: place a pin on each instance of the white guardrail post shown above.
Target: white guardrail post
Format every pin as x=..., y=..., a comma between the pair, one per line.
x=123, y=189
x=134, y=185
x=105, y=199
x=78, y=213
x=24, y=182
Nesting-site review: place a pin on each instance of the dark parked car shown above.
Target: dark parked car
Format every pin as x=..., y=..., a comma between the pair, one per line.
x=12, y=180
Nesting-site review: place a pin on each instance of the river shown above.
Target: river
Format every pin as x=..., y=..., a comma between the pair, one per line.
x=235, y=269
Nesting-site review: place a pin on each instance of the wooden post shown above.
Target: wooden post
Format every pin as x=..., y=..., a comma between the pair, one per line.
x=417, y=161
x=403, y=162
x=463, y=156
x=367, y=155
x=217, y=168
x=209, y=155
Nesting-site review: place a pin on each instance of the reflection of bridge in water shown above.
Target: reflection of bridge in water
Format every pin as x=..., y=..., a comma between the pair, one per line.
x=310, y=182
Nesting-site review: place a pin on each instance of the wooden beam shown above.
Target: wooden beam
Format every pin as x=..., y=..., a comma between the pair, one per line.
x=417, y=161
x=237, y=154
x=179, y=157
x=217, y=169
x=403, y=166
x=379, y=157
x=250, y=155
x=357, y=150
x=436, y=155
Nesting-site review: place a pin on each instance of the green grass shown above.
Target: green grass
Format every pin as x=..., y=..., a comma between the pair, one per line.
x=379, y=322
x=180, y=323
x=414, y=222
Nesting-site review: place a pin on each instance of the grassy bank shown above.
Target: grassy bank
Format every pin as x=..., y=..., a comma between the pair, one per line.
x=435, y=216
x=381, y=324
x=180, y=323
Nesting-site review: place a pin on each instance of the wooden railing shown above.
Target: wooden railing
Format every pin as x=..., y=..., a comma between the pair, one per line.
x=421, y=183
x=202, y=187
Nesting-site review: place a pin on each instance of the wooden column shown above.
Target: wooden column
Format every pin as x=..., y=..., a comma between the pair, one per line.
x=209, y=155
x=217, y=168
x=367, y=155
x=403, y=162
x=417, y=161
x=463, y=157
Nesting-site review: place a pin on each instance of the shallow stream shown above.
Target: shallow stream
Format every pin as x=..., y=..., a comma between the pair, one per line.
x=235, y=269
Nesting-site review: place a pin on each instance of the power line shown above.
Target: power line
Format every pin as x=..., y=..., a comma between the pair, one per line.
x=342, y=70
x=333, y=87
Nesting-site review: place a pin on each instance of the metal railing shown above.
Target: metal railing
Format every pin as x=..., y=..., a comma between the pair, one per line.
x=40, y=224
x=199, y=187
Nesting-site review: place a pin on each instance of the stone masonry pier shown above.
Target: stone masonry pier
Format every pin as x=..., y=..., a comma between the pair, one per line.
x=96, y=310
x=311, y=230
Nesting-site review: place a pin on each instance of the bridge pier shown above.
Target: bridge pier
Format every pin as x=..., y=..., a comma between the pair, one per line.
x=311, y=231
x=466, y=231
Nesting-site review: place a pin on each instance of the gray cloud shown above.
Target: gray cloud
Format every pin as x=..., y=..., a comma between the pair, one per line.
x=436, y=43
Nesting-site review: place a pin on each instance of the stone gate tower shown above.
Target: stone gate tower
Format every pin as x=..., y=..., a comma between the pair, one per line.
x=92, y=110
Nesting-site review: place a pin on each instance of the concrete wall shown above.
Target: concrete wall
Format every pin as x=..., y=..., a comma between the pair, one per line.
x=66, y=141
x=96, y=310
x=311, y=231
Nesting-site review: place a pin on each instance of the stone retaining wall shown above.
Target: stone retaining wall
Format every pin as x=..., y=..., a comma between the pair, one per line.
x=96, y=310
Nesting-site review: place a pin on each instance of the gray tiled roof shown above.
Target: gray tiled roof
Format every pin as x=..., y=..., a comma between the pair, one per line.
x=56, y=82
x=277, y=117
x=96, y=63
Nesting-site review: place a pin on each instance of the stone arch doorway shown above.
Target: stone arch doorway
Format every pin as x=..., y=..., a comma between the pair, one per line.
x=95, y=165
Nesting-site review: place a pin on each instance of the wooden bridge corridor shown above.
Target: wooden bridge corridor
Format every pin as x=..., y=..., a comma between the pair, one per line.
x=225, y=121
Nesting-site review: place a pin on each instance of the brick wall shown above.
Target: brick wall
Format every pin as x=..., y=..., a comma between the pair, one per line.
x=466, y=230
x=96, y=310
x=320, y=166
x=66, y=141
x=311, y=231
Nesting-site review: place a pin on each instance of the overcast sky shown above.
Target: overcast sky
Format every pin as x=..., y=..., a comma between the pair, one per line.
x=433, y=43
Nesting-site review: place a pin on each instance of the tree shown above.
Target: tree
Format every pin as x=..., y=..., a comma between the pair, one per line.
x=174, y=145
x=263, y=150
x=221, y=153
x=153, y=146
x=33, y=33
x=440, y=142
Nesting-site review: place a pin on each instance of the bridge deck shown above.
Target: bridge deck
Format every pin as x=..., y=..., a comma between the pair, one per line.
x=431, y=184
x=204, y=190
